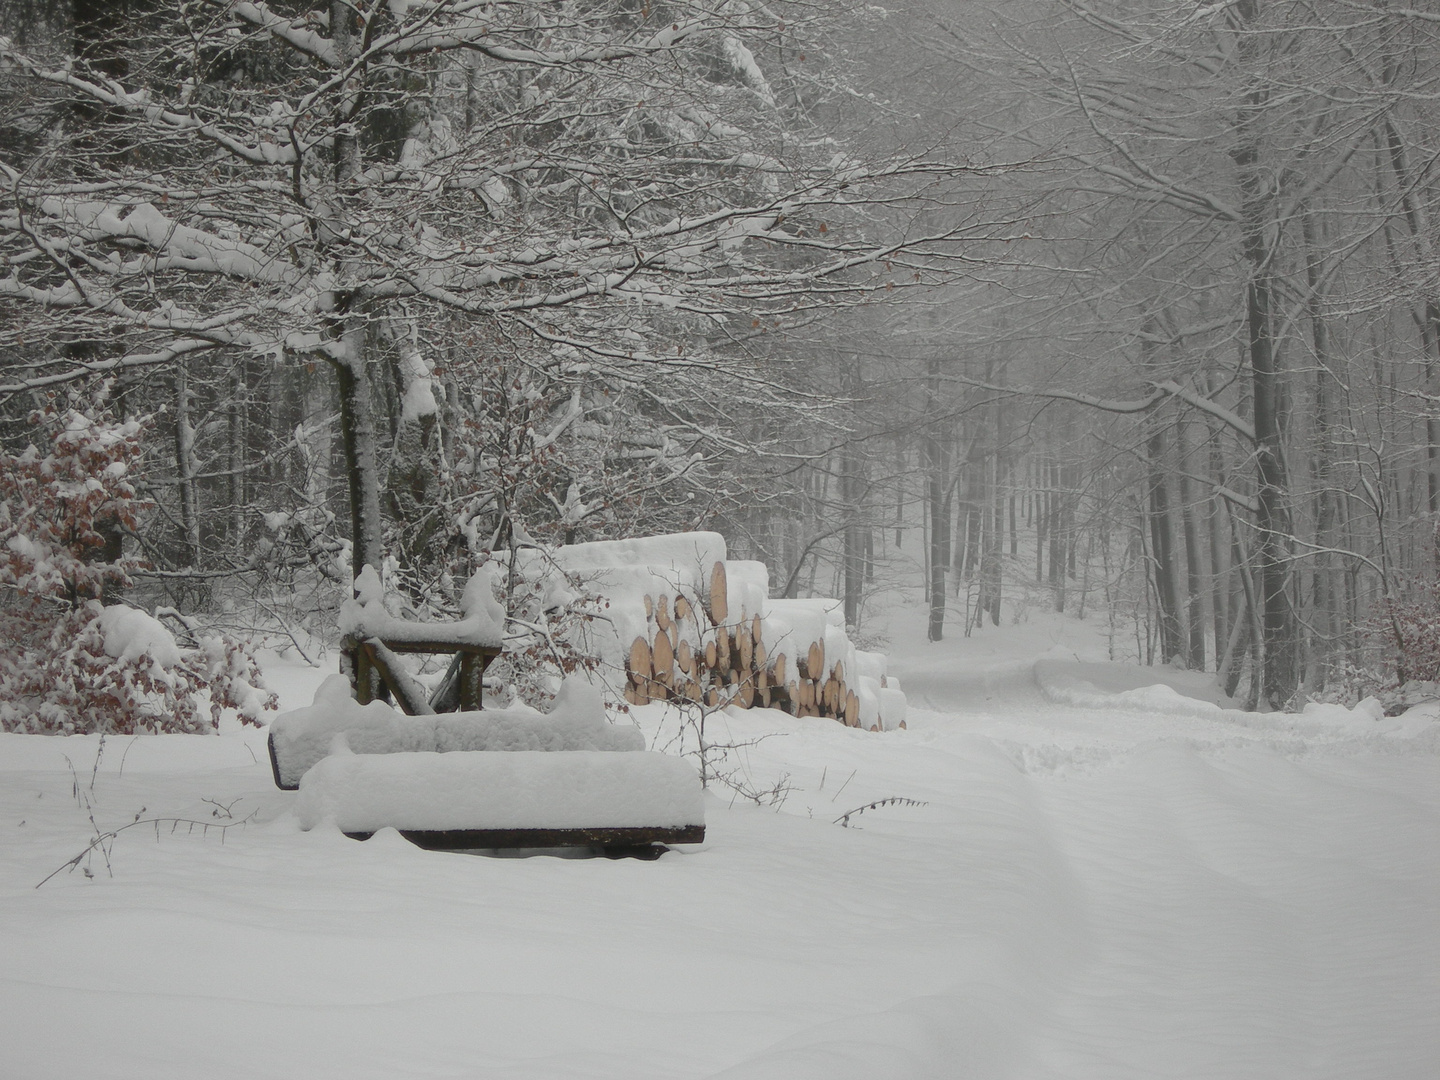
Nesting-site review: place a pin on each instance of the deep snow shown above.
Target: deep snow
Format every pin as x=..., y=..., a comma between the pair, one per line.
x=1103, y=882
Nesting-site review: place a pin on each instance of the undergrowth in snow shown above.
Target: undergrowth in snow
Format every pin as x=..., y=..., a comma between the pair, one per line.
x=69, y=661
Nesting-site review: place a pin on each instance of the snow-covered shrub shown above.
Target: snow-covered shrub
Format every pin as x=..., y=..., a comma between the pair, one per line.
x=68, y=662
x=59, y=511
x=1409, y=625
x=1399, y=662
x=545, y=610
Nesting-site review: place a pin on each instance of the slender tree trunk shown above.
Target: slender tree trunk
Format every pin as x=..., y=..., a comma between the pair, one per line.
x=1042, y=514
x=350, y=346
x=994, y=570
x=185, y=468
x=937, y=464
x=1194, y=571
x=854, y=553
x=1167, y=573
x=1055, y=526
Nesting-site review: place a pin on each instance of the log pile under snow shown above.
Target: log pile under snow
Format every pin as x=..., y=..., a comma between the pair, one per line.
x=697, y=627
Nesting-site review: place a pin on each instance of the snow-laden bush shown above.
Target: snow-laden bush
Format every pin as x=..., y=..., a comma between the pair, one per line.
x=1399, y=659
x=545, y=610
x=68, y=662
x=1409, y=625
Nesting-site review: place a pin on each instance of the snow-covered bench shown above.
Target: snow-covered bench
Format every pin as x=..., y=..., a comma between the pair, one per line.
x=629, y=799
x=499, y=778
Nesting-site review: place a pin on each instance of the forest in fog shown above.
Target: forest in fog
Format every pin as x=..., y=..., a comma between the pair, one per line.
x=1127, y=308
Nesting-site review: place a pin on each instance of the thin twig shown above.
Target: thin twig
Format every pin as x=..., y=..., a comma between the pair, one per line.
x=103, y=840
x=894, y=800
x=95, y=769
x=127, y=754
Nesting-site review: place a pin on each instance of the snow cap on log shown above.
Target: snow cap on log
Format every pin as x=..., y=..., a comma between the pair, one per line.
x=689, y=555
x=868, y=692
x=892, y=709
x=871, y=665
x=791, y=625
x=747, y=588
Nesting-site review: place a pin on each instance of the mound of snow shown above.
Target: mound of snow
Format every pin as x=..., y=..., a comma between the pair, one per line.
x=130, y=634
x=1104, y=685
x=1162, y=691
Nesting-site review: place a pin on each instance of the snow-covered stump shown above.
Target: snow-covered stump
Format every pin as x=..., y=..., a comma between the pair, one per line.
x=528, y=798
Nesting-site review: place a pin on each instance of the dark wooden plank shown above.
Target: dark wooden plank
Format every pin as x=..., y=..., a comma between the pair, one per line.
x=407, y=694
x=446, y=697
x=275, y=765
x=460, y=839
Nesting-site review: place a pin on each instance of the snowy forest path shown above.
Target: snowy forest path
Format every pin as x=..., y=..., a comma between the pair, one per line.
x=1023, y=889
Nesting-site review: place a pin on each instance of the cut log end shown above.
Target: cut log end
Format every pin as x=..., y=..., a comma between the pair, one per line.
x=719, y=606
x=663, y=658
x=641, y=663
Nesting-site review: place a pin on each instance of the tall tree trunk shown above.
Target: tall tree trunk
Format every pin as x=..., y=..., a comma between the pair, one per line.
x=350, y=328
x=1323, y=591
x=993, y=567
x=358, y=437
x=1281, y=631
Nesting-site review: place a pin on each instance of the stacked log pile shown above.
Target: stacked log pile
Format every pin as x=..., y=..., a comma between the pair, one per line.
x=722, y=641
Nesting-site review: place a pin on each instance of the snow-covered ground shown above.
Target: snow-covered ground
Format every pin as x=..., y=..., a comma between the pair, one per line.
x=1104, y=880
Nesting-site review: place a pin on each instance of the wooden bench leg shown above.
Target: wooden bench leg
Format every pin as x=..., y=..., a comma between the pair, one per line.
x=471, y=672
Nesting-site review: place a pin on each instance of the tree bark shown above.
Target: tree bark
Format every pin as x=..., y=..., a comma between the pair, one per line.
x=185, y=468
x=1194, y=568
x=937, y=463
x=357, y=433
x=1162, y=549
